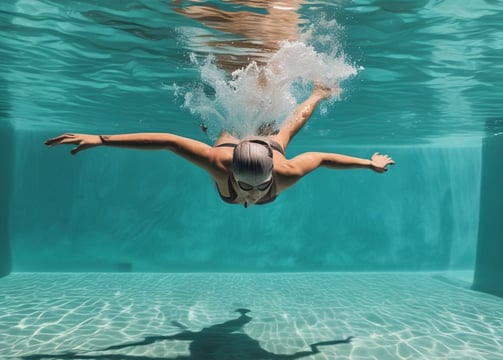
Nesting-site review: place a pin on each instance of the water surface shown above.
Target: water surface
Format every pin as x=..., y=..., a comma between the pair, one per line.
x=428, y=71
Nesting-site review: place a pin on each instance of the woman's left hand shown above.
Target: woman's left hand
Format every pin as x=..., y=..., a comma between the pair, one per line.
x=380, y=163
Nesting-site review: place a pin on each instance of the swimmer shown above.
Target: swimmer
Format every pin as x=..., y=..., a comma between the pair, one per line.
x=252, y=170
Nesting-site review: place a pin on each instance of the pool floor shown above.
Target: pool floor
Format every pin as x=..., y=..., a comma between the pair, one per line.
x=144, y=316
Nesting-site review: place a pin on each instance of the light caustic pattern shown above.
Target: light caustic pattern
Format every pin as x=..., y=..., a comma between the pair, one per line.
x=175, y=316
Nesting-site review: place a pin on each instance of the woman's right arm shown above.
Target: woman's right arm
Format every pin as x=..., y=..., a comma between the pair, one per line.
x=301, y=115
x=194, y=151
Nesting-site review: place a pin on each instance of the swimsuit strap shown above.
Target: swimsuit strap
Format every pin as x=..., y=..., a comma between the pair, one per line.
x=227, y=145
x=232, y=193
x=274, y=144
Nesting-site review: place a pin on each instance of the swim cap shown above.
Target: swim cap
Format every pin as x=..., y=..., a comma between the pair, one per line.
x=252, y=160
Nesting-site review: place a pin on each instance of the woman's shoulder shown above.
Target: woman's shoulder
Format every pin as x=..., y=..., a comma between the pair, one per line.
x=286, y=174
x=285, y=168
x=222, y=156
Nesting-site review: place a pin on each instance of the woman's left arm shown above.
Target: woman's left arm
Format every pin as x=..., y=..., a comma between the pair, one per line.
x=303, y=164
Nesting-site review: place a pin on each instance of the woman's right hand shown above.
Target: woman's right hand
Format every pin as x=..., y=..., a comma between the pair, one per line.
x=325, y=91
x=83, y=141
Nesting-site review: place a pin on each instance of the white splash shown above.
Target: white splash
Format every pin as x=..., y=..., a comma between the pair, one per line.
x=256, y=95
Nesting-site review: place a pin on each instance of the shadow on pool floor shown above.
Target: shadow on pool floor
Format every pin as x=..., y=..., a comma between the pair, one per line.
x=219, y=341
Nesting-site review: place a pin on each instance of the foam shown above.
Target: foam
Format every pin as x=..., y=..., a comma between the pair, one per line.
x=256, y=94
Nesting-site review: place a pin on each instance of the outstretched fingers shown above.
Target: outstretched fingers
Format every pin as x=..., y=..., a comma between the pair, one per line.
x=82, y=141
x=76, y=149
x=326, y=91
x=62, y=139
x=380, y=162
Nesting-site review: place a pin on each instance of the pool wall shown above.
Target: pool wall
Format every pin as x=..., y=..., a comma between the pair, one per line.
x=6, y=157
x=489, y=265
x=124, y=210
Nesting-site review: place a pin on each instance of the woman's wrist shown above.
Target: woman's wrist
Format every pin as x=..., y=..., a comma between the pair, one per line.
x=103, y=139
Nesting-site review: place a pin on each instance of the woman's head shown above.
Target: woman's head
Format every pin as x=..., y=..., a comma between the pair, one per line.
x=252, y=162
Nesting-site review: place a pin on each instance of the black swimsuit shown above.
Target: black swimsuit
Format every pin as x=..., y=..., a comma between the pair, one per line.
x=269, y=197
x=274, y=144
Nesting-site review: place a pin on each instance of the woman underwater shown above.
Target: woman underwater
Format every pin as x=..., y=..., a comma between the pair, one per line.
x=252, y=170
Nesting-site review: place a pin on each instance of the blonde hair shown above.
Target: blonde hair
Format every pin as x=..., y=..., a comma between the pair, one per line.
x=252, y=158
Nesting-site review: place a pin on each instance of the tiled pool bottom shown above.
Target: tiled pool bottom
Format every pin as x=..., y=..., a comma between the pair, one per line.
x=205, y=316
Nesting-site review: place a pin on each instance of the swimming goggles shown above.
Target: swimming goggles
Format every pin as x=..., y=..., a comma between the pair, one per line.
x=247, y=187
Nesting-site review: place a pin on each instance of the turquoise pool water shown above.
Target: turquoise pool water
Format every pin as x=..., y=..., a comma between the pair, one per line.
x=117, y=254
